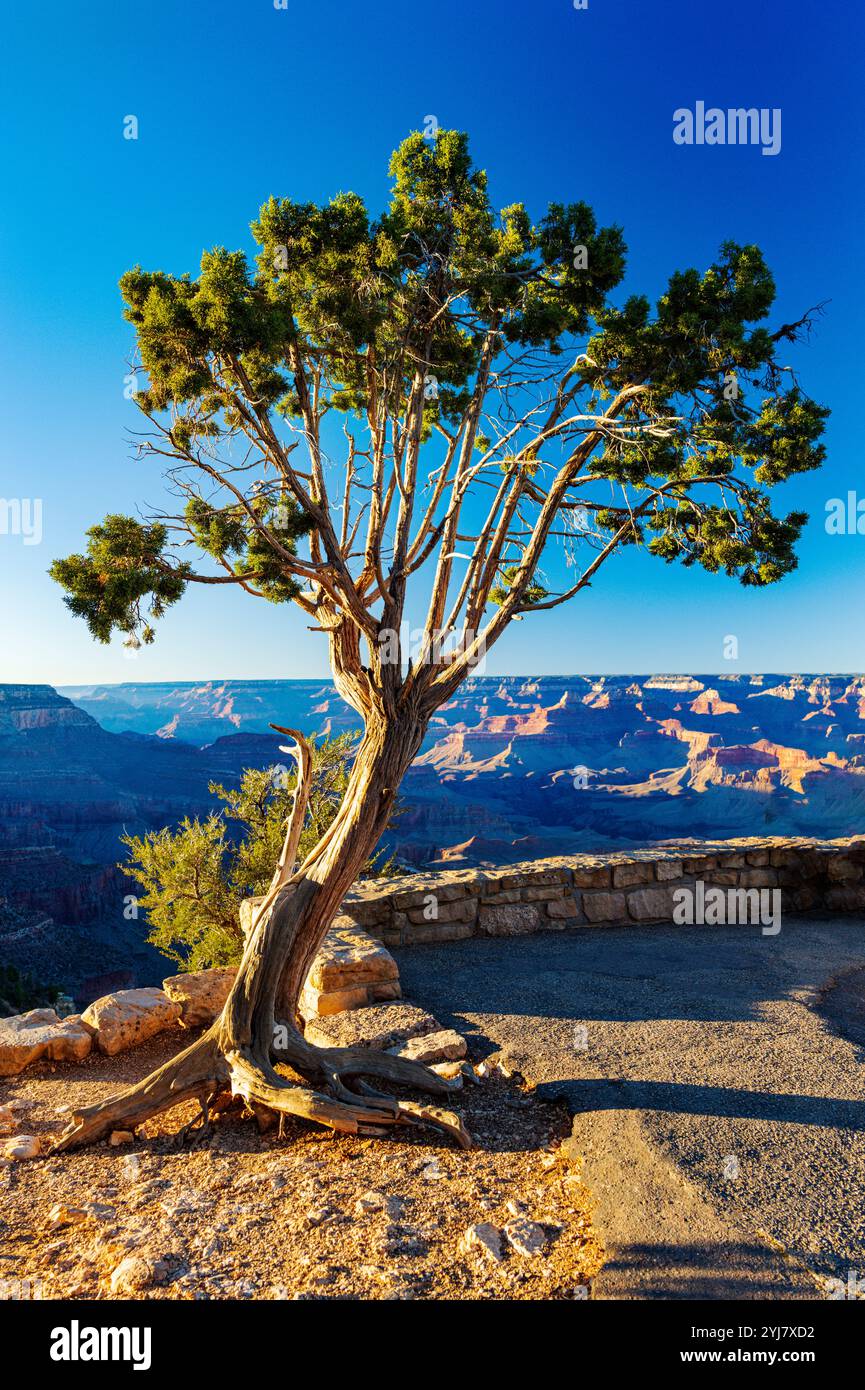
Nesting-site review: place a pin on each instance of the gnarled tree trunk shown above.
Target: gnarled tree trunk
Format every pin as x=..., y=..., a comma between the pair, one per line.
x=259, y=1026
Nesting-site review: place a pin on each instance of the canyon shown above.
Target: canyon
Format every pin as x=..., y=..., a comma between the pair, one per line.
x=517, y=766
x=512, y=768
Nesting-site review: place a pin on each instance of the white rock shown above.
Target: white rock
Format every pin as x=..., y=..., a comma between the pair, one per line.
x=128, y=1017
x=451, y=1071
x=445, y=1046
x=486, y=1238
x=528, y=1237
x=22, y=1146
x=370, y=1201
x=319, y=1216
x=61, y=1215
x=134, y=1272
x=377, y=1201
x=40, y=1033
x=131, y=1167
x=200, y=994
x=493, y=1068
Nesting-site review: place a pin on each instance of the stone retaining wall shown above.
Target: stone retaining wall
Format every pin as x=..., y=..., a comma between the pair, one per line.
x=616, y=889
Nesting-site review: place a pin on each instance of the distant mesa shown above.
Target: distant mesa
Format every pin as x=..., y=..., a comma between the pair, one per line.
x=511, y=768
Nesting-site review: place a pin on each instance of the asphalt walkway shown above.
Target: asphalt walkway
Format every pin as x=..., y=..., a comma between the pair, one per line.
x=720, y=1114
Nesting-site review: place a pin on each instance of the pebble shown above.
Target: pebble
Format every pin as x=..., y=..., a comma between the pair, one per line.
x=134, y=1272
x=8, y=1122
x=24, y=1146
x=491, y=1069
x=450, y=1071
x=529, y=1237
x=318, y=1216
x=486, y=1238
x=131, y=1167
x=61, y=1215
x=377, y=1201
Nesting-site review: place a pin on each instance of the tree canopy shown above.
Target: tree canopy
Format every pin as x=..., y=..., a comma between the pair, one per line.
x=442, y=384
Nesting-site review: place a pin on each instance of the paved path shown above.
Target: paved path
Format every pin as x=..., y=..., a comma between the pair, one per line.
x=720, y=1115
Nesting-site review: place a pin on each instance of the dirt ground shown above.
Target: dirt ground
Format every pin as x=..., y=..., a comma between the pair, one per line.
x=236, y=1214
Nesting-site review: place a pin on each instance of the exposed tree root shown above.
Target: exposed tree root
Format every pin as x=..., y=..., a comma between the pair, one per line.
x=204, y=1069
x=345, y=1111
x=197, y=1073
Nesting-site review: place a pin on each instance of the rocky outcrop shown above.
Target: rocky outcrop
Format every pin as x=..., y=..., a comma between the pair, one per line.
x=26, y=1038
x=380, y=1026
x=445, y=1045
x=400, y=1028
x=200, y=994
x=125, y=1019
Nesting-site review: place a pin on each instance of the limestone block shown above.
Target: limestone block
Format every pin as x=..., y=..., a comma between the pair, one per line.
x=200, y=994
x=605, y=907
x=25, y=1038
x=129, y=1016
x=517, y=919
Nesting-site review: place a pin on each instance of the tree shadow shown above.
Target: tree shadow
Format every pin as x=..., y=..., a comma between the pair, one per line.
x=737, y=1270
x=583, y=1095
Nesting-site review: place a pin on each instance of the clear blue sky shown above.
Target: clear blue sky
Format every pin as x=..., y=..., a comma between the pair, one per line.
x=239, y=100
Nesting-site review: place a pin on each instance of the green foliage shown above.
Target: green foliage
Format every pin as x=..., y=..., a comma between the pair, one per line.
x=194, y=878
x=123, y=566
x=749, y=543
x=231, y=533
x=704, y=363
x=533, y=593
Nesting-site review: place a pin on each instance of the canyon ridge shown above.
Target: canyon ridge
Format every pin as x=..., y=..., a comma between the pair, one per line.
x=513, y=768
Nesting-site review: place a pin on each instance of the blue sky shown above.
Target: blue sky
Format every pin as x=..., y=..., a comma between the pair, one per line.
x=236, y=101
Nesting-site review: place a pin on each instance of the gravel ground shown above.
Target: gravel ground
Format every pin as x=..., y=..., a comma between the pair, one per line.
x=243, y=1215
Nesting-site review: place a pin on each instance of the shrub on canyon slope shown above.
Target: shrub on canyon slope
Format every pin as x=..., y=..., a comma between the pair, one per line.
x=195, y=878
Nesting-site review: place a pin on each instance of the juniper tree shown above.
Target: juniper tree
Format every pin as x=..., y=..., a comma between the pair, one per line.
x=431, y=403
